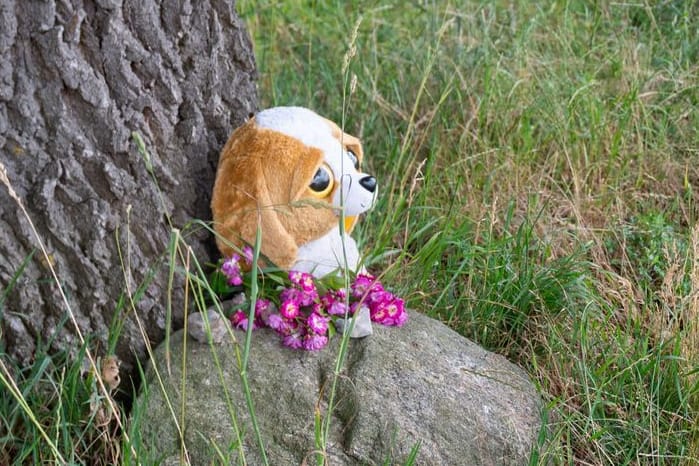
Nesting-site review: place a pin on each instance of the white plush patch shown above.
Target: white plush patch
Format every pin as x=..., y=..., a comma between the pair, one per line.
x=302, y=124
x=324, y=255
x=354, y=197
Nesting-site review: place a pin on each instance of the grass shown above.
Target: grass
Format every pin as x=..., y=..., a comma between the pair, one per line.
x=537, y=177
x=538, y=173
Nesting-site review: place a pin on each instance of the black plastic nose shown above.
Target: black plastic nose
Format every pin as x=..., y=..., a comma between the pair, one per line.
x=368, y=183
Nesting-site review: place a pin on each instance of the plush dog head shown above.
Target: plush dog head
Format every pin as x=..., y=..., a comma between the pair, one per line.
x=289, y=172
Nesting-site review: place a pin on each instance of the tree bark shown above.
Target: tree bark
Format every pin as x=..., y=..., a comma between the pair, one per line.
x=77, y=77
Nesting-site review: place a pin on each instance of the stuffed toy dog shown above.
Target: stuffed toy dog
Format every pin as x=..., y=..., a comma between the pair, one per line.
x=290, y=173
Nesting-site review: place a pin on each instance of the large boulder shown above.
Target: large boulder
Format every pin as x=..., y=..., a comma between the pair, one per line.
x=422, y=384
x=77, y=78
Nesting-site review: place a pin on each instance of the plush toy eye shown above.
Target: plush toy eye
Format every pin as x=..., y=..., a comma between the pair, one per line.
x=322, y=182
x=355, y=160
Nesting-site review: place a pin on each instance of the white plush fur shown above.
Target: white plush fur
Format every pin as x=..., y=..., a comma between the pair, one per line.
x=325, y=254
x=302, y=124
x=355, y=199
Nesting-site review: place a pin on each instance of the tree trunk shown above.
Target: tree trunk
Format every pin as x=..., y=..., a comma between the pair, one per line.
x=77, y=77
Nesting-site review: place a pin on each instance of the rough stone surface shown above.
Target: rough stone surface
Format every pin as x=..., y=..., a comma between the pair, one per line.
x=360, y=324
x=77, y=77
x=214, y=325
x=419, y=383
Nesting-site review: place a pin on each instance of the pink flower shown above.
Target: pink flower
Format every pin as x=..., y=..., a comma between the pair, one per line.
x=303, y=318
x=302, y=280
x=393, y=309
x=378, y=313
x=377, y=299
x=313, y=342
x=307, y=284
x=231, y=269
x=248, y=254
x=304, y=290
x=337, y=308
x=308, y=299
x=401, y=319
x=240, y=320
x=289, y=309
x=284, y=327
x=317, y=323
x=378, y=296
x=263, y=309
x=295, y=277
x=299, y=296
x=389, y=312
x=290, y=294
x=362, y=284
x=334, y=302
x=276, y=322
x=262, y=306
x=293, y=340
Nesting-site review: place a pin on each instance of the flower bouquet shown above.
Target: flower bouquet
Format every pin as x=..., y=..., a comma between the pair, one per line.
x=303, y=310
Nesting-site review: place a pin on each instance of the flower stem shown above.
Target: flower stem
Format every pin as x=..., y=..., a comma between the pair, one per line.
x=248, y=340
x=340, y=361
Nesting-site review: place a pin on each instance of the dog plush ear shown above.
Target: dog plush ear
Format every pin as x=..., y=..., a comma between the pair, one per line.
x=262, y=175
x=241, y=201
x=347, y=140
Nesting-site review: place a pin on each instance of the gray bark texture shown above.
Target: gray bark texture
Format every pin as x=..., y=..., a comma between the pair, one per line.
x=77, y=77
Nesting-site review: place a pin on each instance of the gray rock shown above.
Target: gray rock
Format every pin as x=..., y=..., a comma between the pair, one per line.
x=422, y=384
x=77, y=78
x=215, y=325
x=200, y=326
x=360, y=328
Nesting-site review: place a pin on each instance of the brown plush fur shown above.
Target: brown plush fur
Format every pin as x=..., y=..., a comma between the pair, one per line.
x=262, y=180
